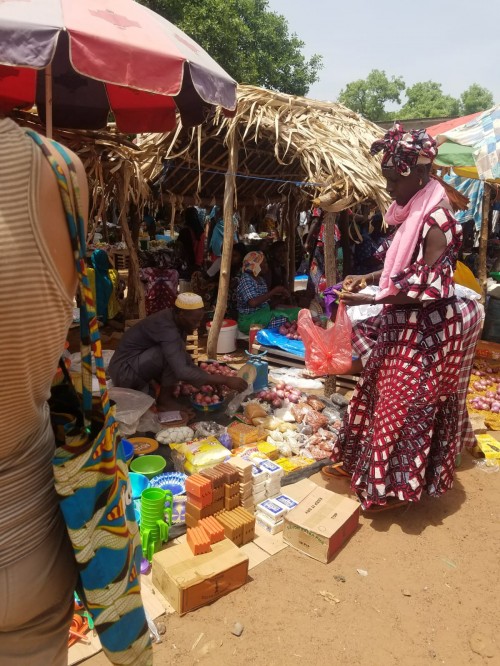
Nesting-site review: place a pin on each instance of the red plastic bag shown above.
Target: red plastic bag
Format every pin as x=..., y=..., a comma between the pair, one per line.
x=328, y=351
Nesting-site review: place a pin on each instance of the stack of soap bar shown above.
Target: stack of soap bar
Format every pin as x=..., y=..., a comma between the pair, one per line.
x=239, y=525
x=270, y=515
x=217, y=479
x=199, y=490
x=213, y=528
x=199, y=499
x=259, y=478
x=274, y=473
x=198, y=540
x=244, y=468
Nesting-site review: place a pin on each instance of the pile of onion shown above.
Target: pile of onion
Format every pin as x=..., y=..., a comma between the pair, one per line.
x=275, y=397
x=218, y=369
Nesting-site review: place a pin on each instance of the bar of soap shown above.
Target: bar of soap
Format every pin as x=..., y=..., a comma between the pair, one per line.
x=231, y=474
x=271, y=469
x=231, y=502
x=199, y=486
x=213, y=528
x=198, y=540
x=216, y=477
x=272, y=510
x=286, y=502
x=244, y=468
x=269, y=525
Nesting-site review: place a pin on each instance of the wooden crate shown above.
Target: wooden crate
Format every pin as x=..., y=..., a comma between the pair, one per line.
x=192, y=346
x=121, y=259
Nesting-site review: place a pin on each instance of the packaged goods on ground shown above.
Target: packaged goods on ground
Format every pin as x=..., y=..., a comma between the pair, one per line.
x=321, y=523
x=190, y=581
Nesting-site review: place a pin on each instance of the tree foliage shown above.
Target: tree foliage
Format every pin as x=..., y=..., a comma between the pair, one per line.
x=425, y=99
x=369, y=96
x=476, y=98
x=250, y=42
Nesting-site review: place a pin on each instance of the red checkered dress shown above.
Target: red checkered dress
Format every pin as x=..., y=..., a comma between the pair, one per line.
x=401, y=431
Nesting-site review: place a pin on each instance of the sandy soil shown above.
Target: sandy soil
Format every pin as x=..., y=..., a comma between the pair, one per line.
x=431, y=595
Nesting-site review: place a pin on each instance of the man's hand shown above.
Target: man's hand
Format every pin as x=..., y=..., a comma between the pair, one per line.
x=236, y=384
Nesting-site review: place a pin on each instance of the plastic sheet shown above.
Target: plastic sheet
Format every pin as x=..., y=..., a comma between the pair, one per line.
x=271, y=338
x=328, y=352
x=130, y=406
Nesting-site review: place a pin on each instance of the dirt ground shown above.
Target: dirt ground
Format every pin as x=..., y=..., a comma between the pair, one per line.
x=431, y=595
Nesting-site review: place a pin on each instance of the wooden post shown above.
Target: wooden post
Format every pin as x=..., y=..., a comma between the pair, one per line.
x=483, y=241
x=291, y=234
x=227, y=246
x=330, y=249
x=135, y=288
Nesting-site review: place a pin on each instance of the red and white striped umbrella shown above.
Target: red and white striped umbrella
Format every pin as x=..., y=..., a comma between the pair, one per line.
x=91, y=57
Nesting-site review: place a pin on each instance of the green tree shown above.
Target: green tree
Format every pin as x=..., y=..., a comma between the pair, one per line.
x=250, y=42
x=475, y=98
x=427, y=100
x=369, y=96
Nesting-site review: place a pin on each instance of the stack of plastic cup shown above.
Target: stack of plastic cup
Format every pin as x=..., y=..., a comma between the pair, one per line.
x=154, y=529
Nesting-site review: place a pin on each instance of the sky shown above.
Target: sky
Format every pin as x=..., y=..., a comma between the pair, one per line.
x=452, y=42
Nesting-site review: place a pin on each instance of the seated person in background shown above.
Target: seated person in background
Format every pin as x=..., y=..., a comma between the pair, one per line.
x=276, y=275
x=254, y=296
x=154, y=352
x=205, y=283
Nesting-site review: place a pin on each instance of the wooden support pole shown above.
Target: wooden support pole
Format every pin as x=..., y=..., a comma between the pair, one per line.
x=330, y=249
x=483, y=241
x=135, y=293
x=227, y=246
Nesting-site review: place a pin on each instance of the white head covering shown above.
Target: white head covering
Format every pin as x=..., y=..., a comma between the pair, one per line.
x=189, y=301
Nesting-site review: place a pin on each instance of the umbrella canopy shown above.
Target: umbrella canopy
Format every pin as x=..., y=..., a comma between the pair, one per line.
x=473, y=149
x=106, y=55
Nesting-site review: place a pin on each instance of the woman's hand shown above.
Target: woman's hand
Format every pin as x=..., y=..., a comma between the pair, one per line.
x=357, y=299
x=355, y=283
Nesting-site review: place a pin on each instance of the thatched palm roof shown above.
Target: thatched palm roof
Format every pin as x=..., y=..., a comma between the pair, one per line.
x=321, y=147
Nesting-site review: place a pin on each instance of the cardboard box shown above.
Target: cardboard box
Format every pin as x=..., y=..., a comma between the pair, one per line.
x=190, y=581
x=321, y=523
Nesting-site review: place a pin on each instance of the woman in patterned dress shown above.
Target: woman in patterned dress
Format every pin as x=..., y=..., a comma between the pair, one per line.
x=401, y=432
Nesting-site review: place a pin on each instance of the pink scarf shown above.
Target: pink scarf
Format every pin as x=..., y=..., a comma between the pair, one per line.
x=411, y=220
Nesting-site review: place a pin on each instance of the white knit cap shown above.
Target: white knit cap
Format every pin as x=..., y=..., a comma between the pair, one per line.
x=189, y=301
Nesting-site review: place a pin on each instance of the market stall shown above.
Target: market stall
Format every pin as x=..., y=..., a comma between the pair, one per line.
x=277, y=148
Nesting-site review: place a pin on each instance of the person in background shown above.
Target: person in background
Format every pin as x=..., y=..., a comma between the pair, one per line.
x=316, y=250
x=365, y=260
x=206, y=283
x=401, y=434
x=254, y=297
x=277, y=265
x=149, y=223
x=191, y=241
x=38, y=571
x=151, y=356
x=215, y=232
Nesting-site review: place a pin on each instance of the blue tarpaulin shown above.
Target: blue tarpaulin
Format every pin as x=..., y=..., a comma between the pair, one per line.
x=273, y=339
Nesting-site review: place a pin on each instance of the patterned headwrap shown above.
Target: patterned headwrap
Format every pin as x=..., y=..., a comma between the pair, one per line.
x=403, y=150
x=252, y=262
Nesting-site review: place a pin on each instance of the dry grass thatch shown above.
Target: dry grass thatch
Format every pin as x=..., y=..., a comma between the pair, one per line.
x=321, y=147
